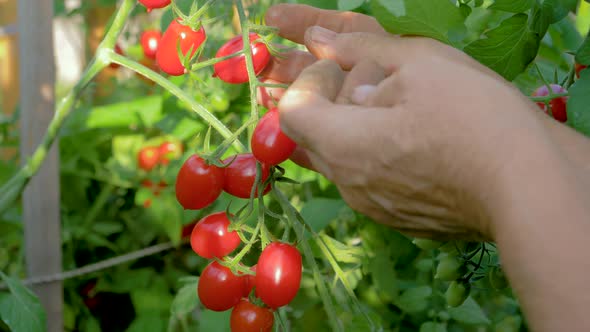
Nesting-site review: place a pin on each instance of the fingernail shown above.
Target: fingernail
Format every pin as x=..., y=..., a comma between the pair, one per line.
x=361, y=94
x=321, y=35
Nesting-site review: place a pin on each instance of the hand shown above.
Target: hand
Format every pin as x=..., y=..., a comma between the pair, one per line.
x=430, y=141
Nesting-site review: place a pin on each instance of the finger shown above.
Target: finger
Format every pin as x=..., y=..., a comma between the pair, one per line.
x=365, y=73
x=301, y=157
x=287, y=67
x=292, y=21
x=317, y=87
x=386, y=94
x=348, y=49
x=267, y=96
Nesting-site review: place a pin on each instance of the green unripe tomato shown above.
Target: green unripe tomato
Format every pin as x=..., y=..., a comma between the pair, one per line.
x=219, y=101
x=497, y=278
x=449, y=269
x=426, y=244
x=457, y=293
x=508, y=324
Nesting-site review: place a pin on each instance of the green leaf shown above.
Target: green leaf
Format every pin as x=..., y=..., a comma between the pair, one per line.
x=583, y=53
x=349, y=4
x=433, y=327
x=21, y=310
x=324, y=4
x=214, y=321
x=107, y=228
x=470, y=313
x=148, y=322
x=125, y=148
x=578, y=115
x=414, y=299
x=342, y=252
x=513, y=6
x=507, y=49
x=320, y=212
x=186, y=300
x=383, y=274
x=167, y=213
x=436, y=19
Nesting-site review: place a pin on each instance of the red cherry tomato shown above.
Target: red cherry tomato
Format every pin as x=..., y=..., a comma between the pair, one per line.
x=198, y=184
x=149, y=42
x=558, y=105
x=269, y=144
x=579, y=68
x=219, y=289
x=167, y=53
x=240, y=175
x=234, y=70
x=248, y=317
x=119, y=51
x=278, y=274
x=250, y=282
x=153, y=4
x=148, y=158
x=169, y=150
x=156, y=188
x=210, y=237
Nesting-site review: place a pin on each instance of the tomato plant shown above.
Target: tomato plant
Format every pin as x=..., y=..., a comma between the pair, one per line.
x=278, y=274
x=178, y=35
x=241, y=174
x=149, y=42
x=198, y=183
x=360, y=276
x=210, y=238
x=219, y=289
x=269, y=144
x=247, y=317
x=233, y=70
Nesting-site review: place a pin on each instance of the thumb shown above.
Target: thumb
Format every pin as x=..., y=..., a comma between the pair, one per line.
x=348, y=49
x=308, y=102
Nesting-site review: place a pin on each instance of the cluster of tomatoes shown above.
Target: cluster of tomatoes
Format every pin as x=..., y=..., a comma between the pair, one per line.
x=277, y=275
x=161, y=50
x=557, y=106
x=274, y=281
x=149, y=157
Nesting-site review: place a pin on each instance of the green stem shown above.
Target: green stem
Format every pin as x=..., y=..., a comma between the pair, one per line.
x=548, y=97
x=292, y=215
x=253, y=80
x=213, y=61
x=10, y=191
x=175, y=90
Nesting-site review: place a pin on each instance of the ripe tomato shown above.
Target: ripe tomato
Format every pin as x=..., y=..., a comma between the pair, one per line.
x=558, y=105
x=198, y=184
x=269, y=144
x=152, y=4
x=579, y=68
x=234, y=70
x=210, y=237
x=240, y=175
x=248, y=317
x=278, y=274
x=119, y=51
x=149, y=42
x=148, y=158
x=167, y=53
x=219, y=289
x=169, y=150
